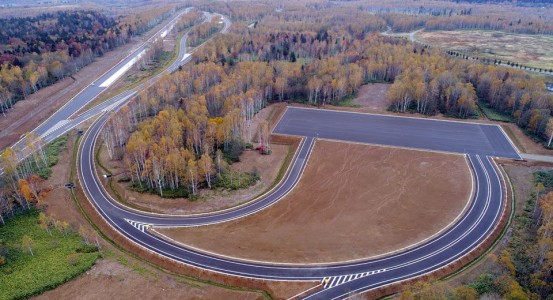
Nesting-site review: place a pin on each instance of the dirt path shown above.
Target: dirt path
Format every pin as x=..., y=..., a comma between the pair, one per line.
x=408, y=35
x=353, y=201
x=371, y=97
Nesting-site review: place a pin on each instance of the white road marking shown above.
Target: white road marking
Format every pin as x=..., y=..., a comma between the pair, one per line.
x=122, y=71
x=330, y=282
x=184, y=57
x=140, y=226
x=54, y=128
x=114, y=105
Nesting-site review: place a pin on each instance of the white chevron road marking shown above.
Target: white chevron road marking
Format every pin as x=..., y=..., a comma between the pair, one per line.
x=138, y=225
x=330, y=282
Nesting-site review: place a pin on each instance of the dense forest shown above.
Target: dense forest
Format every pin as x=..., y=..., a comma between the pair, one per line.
x=38, y=51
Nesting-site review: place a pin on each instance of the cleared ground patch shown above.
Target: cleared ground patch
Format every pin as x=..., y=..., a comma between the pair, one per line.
x=529, y=50
x=353, y=201
x=372, y=97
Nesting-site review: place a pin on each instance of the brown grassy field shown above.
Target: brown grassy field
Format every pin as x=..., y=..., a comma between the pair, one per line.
x=529, y=50
x=353, y=201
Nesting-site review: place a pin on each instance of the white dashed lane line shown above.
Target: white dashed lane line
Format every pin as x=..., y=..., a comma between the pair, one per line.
x=330, y=282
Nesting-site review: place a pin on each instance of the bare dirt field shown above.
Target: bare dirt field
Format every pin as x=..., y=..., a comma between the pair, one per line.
x=353, y=201
x=530, y=50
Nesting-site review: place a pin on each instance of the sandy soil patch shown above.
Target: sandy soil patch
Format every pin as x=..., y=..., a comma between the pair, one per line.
x=372, y=97
x=353, y=201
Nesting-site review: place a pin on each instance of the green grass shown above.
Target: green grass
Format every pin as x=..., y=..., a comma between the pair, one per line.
x=233, y=180
x=494, y=114
x=55, y=259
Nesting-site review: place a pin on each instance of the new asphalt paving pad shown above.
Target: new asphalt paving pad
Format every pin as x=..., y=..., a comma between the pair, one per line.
x=437, y=135
x=353, y=201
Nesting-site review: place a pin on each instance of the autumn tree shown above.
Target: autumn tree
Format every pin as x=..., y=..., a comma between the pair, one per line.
x=45, y=222
x=206, y=168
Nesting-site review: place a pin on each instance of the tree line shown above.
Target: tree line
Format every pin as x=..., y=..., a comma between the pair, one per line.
x=41, y=50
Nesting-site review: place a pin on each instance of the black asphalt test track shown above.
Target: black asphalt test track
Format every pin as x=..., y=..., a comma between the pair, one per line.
x=477, y=140
x=427, y=134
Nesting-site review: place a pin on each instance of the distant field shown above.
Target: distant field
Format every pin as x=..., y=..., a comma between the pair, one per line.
x=529, y=50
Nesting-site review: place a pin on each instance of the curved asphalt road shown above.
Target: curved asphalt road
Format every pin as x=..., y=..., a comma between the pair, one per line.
x=339, y=279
